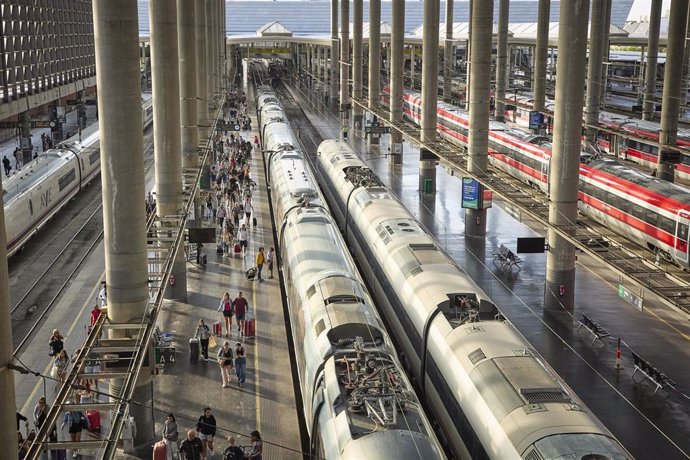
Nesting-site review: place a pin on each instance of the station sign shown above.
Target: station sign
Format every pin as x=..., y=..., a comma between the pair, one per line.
x=536, y=119
x=377, y=129
x=471, y=193
x=629, y=297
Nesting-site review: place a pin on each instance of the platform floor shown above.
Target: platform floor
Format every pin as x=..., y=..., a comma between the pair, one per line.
x=267, y=402
x=649, y=426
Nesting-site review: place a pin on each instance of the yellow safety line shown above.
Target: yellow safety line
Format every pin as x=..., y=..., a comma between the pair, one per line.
x=80, y=316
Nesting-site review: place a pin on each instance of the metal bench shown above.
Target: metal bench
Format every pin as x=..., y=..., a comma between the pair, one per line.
x=595, y=328
x=658, y=378
x=504, y=258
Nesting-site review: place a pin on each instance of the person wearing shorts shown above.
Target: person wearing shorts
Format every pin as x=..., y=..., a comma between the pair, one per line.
x=206, y=426
x=240, y=305
x=228, y=312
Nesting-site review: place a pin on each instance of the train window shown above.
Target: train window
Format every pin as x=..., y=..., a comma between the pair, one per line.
x=666, y=224
x=683, y=232
x=625, y=206
x=66, y=179
x=652, y=217
x=637, y=211
x=685, y=159
x=614, y=200
x=94, y=157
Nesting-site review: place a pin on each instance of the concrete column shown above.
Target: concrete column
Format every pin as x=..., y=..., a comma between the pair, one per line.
x=564, y=171
x=189, y=131
x=540, y=55
x=8, y=432
x=322, y=64
x=26, y=146
x=116, y=34
x=396, y=78
x=448, y=57
x=427, y=160
x=374, y=60
x=606, y=13
x=648, y=106
x=594, y=67
x=230, y=65
x=357, y=60
x=201, y=70
x=314, y=63
x=478, y=141
x=686, y=73
x=344, y=58
x=413, y=58
x=468, y=53
x=210, y=60
x=388, y=58
x=502, y=59
x=670, y=102
x=166, y=119
x=335, y=56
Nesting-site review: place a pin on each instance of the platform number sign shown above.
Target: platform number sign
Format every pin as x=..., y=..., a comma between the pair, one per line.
x=165, y=355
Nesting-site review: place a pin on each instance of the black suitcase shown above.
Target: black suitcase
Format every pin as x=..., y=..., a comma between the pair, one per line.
x=219, y=249
x=193, y=350
x=254, y=221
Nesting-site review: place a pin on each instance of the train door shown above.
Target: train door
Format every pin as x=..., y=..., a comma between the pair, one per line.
x=681, y=245
x=545, y=173
x=620, y=146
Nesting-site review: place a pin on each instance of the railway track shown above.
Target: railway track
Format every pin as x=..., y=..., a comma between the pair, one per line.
x=40, y=280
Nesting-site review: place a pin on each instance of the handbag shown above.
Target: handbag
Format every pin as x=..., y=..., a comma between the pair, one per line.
x=212, y=341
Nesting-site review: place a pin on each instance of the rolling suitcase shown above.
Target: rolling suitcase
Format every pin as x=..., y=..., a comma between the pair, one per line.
x=218, y=328
x=254, y=221
x=237, y=248
x=250, y=328
x=94, y=418
x=193, y=350
x=160, y=451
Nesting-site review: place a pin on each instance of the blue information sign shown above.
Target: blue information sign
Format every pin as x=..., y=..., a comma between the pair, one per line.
x=535, y=119
x=471, y=193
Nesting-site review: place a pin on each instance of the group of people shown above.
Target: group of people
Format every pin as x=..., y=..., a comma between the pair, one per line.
x=198, y=445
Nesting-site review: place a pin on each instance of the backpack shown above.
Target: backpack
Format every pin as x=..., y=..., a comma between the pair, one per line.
x=233, y=453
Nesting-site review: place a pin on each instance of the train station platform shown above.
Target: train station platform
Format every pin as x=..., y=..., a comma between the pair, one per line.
x=649, y=425
x=267, y=402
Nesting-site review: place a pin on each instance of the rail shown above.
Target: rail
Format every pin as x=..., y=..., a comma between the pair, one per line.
x=635, y=266
x=164, y=235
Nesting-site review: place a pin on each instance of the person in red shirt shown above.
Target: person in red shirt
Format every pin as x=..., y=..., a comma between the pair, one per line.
x=240, y=305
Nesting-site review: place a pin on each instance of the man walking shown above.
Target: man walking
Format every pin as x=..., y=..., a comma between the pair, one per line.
x=240, y=306
x=191, y=448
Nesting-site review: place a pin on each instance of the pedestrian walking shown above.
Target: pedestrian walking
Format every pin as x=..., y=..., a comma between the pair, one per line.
x=6, y=165
x=40, y=413
x=260, y=260
x=240, y=363
x=257, y=446
x=170, y=436
x=59, y=371
x=228, y=311
x=76, y=422
x=243, y=238
x=225, y=363
x=192, y=448
x=241, y=306
x=103, y=295
x=248, y=208
x=220, y=215
x=202, y=333
x=269, y=261
x=206, y=426
x=56, y=343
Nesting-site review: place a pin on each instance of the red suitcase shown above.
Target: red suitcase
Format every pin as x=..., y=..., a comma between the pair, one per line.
x=160, y=451
x=218, y=328
x=94, y=417
x=250, y=327
x=238, y=248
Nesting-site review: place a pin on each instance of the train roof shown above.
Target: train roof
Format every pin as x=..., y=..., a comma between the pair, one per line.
x=34, y=173
x=662, y=187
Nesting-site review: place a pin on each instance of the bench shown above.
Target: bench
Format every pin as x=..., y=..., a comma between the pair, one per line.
x=504, y=258
x=658, y=378
x=595, y=328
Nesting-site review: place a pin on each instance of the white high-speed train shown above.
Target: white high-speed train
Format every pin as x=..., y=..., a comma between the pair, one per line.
x=358, y=403
x=493, y=395
x=43, y=186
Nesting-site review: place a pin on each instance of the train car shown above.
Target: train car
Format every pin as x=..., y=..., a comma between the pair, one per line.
x=493, y=395
x=358, y=403
x=46, y=184
x=640, y=207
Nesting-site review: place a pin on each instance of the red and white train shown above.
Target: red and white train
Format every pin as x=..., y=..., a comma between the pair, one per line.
x=629, y=139
x=654, y=213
